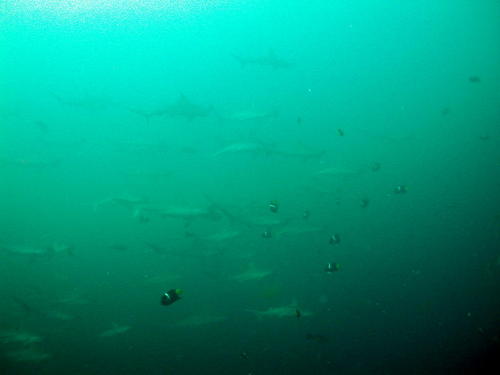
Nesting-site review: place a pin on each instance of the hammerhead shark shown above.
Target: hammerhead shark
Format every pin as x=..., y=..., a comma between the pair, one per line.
x=182, y=107
x=252, y=273
x=87, y=102
x=263, y=149
x=270, y=60
x=287, y=311
x=115, y=330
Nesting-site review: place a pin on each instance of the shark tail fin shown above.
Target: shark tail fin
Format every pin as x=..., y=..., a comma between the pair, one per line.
x=97, y=205
x=317, y=155
x=232, y=218
x=220, y=118
x=58, y=98
x=257, y=313
x=145, y=114
x=241, y=60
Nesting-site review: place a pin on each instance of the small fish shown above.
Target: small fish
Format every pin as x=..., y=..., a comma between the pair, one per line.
x=340, y=132
x=273, y=206
x=267, y=234
x=474, y=79
x=42, y=126
x=375, y=167
x=188, y=150
x=270, y=60
x=118, y=247
x=334, y=239
x=365, y=202
x=282, y=312
x=332, y=267
x=200, y=320
x=17, y=337
x=400, y=189
x=251, y=274
x=28, y=354
x=115, y=330
x=250, y=115
x=317, y=338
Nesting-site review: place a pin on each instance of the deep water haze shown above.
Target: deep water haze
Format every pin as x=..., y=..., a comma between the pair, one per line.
x=249, y=187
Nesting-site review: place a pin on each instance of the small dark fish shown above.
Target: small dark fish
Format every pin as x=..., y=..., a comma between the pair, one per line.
x=400, y=189
x=299, y=120
x=332, y=267
x=42, y=126
x=298, y=314
x=474, y=79
x=317, y=338
x=28, y=309
x=156, y=248
x=143, y=219
x=118, y=247
x=340, y=132
x=484, y=137
x=365, y=202
x=334, y=239
x=375, y=167
x=273, y=206
x=244, y=355
x=188, y=150
x=445, y=111
x=267, y=234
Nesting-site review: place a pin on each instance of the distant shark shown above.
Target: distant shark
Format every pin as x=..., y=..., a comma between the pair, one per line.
x=87, y=102
x=241, y=148
x=249, y=115
x=336, y=172
x=30, y=310
x=37, y=251
x=27, y=354
x=182, y=107
x=287, y=311
x=200, y=320
x=297, y=230
x=115, y=330
x=29, y=163
x=304, y=155
x=23, y=338
x=270, y=60
x=188, y=213
x=256, y=148
x=252, y=273
x=216, y=237
x=73, y=299
x=143, y=211
x=253, y=222
x=133, y=204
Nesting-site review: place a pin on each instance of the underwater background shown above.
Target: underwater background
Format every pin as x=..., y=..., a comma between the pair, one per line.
x=319, y=179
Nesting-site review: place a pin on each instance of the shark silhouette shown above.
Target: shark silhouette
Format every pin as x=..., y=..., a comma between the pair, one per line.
x=270, y=60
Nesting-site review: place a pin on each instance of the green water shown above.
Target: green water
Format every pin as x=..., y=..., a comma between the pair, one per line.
x=216, y=147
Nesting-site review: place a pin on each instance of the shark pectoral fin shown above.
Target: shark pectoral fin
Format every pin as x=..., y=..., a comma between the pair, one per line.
x=137, y=212
x=257, y=313
x=240, y=60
